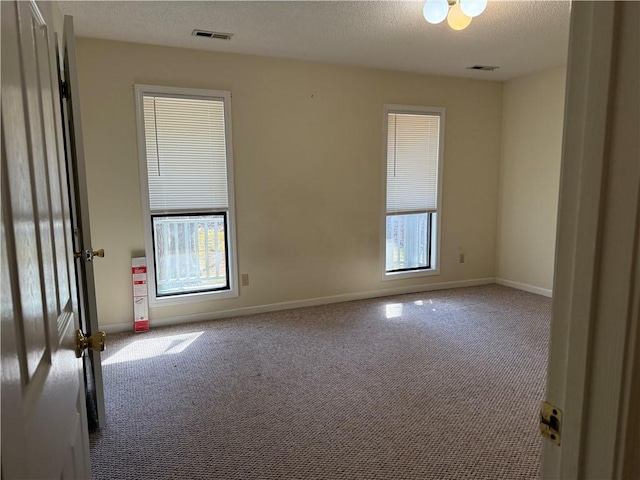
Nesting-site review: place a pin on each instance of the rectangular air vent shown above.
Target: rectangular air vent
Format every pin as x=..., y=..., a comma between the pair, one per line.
x=486, y=68
x=213, y=35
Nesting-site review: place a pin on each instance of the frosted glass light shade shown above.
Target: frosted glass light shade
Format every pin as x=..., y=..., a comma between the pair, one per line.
x=457, y=19
x=473, y=8
x=435, y=11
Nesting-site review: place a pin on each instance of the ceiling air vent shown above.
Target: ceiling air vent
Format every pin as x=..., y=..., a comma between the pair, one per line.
x=213, y=35
x=486, y=68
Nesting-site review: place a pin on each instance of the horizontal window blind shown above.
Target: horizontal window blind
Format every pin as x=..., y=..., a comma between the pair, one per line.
x=186, y=153
x=412, y=162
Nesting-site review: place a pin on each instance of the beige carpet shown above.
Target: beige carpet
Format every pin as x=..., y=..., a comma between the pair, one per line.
x=436, y=385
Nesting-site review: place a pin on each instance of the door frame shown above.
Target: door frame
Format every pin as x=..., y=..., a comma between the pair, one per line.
x=80, y=218
x=597, y=276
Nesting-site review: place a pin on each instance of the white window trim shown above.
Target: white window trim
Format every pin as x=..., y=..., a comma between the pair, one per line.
x=232, y=292
x=436, y=233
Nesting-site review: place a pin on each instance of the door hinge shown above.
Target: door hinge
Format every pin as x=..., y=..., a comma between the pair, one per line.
x=63, y=89
x=550, y=422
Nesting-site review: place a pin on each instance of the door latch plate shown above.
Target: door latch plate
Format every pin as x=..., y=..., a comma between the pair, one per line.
x=550, y=422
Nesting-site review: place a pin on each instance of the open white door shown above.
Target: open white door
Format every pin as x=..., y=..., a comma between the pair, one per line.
x=81, y=226
x=44, y=426
x=593, y=370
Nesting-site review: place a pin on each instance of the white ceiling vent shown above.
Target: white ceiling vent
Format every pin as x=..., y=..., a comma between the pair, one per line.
x=485, y=68
x=213, y=35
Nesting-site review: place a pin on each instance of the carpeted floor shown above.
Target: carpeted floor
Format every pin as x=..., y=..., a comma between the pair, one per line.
x=435, y=385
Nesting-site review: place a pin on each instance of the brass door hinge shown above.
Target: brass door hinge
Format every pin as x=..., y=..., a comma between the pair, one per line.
x=550, y=422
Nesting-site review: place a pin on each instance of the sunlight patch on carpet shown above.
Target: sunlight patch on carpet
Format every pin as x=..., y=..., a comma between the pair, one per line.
x=153, y=347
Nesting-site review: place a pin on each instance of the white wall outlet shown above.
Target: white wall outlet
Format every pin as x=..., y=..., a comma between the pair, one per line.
x=244, y=279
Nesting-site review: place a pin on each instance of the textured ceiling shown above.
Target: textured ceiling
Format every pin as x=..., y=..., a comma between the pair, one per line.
x=519, y=36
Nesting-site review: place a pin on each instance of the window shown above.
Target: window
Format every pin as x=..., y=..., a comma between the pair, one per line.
x=186, y=172
x=413, y=172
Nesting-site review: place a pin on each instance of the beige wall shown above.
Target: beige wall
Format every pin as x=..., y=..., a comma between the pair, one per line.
x=308, y=155
x=532, y=123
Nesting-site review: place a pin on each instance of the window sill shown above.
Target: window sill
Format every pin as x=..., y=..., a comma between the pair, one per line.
x=191, y=298
x=412, y=274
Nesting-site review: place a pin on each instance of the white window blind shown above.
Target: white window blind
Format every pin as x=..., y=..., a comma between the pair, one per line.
x=186, y=153
x=412, y=162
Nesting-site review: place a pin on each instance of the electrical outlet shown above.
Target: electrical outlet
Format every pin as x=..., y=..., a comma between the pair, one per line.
x=244, y=279
x=461, y=260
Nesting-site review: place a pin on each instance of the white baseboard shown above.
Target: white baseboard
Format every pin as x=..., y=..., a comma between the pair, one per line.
x=237, y=312
x=525, y=287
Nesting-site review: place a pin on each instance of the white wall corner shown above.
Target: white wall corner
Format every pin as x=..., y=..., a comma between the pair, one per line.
x=527, y=288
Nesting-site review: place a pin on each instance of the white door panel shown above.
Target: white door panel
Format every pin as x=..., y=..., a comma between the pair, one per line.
x=43, y=422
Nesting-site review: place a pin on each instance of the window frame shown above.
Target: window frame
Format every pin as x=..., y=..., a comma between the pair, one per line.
x=436, y=217
x=225, y=221
x=147, y=217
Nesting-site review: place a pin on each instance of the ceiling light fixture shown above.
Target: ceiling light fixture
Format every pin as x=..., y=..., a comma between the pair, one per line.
x=457, y=12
